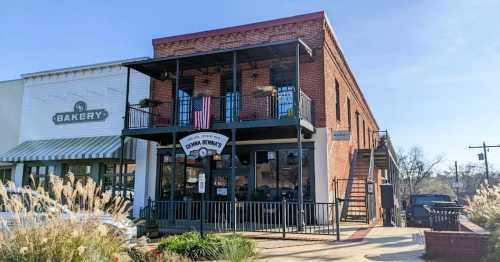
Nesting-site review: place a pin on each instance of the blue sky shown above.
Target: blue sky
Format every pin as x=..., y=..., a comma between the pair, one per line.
x=429, y=69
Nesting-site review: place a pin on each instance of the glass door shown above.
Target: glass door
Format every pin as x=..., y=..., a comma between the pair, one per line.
x=187, y=171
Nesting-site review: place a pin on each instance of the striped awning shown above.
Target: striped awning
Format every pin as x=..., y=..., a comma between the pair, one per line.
x=102, y=147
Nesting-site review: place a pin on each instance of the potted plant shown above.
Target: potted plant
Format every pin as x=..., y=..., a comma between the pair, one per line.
x=148, y=102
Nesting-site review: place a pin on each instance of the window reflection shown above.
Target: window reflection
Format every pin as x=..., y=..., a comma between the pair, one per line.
x=278, y=176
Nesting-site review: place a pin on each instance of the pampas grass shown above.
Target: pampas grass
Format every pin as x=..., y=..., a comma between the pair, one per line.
x=484, y=210
x=41, y=228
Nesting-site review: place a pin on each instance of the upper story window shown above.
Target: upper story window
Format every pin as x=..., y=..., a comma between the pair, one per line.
x=364, y=134
x=337, y=100
x=357, y=130
x=283, y=78
x=349, y=121
x=369, y=138
x=184, y=94
x=231, y=104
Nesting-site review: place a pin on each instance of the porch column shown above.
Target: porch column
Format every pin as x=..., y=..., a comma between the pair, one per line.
x=299, y=137
x=122, y=156
x=122, y=138
x=18, y=174
x=174, y=135
x=233, y=146
x=233, y=132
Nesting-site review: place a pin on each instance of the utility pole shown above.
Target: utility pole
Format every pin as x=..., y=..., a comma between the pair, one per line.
x=456, y=177
x=485, y=156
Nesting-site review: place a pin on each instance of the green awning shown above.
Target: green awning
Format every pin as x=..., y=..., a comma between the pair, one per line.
x=102, y=147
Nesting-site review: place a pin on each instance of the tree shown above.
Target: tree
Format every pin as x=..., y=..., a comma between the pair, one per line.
x=414, y=168
x=438, y=184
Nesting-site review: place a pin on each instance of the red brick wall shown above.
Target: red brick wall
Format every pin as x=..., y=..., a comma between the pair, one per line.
x=311, y=31
x=458, y=245
x=317, y=77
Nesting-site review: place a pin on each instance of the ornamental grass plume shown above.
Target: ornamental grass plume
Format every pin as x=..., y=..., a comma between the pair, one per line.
x=484, y=210
x=485, y=207
x=60, y=222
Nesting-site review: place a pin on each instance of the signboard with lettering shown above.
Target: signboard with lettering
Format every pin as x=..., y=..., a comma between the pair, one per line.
x=203, y=144
x=80, y=114
x=201, y=183
x=341, y=135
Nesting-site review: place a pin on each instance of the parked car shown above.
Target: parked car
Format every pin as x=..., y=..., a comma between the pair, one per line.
x=417, y=214
x=8, y=218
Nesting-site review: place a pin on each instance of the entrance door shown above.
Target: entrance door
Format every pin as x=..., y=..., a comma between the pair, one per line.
x=221, y=173
x=187, y=171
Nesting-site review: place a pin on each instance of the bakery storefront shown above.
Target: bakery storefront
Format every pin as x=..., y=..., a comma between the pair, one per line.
x=71, y=123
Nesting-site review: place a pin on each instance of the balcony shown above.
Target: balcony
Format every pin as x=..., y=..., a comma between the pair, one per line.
x=250, y=111
x=254, y=88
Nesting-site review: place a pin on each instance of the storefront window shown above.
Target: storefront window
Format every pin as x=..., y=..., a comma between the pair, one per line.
x=81, y=172
x=266, y=176
x=112, y=171
x=5, y=175
x=37, y=175
x=276, y=175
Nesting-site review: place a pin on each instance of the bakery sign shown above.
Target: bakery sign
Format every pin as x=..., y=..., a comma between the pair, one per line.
x=80, y=114
x=203, y=144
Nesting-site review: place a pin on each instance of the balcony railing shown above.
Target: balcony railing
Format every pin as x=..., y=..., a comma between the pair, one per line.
x=224, y=109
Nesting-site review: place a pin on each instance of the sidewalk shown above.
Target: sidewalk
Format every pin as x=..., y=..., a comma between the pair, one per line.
x=380, y=244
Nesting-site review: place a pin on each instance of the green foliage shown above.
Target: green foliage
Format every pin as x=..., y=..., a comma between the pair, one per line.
x=191, y=245
x=436, y=185
x=494, y=247
x=237, y=248
x=141, y=254
x=211, y=247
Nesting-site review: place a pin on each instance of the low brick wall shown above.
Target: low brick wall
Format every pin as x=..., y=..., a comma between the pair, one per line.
x=469, y=244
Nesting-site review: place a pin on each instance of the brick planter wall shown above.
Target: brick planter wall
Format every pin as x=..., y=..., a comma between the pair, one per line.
x=470, y=244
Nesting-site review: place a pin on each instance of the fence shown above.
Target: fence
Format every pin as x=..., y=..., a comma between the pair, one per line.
x=444, y=218
x=243, y=216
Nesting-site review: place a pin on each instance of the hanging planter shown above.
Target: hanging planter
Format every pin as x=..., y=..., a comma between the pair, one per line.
x=268, y=90
x=148, y=102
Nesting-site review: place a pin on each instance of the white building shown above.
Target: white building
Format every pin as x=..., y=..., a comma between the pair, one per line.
x=11, y=98
x=72, y=120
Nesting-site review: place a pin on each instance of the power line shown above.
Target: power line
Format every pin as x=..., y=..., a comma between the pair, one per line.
x=485, y=156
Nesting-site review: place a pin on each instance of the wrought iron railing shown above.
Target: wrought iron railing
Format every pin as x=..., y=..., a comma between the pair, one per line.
x=306, y=107
x=250, y=216
x=224, y=109
x=444, y=218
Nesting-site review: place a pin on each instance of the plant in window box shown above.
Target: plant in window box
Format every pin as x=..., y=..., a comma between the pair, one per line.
x=268, y=90
x=148, y=102
x=201, y=92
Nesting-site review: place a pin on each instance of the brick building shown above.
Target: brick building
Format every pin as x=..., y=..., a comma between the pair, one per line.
x=298, y=124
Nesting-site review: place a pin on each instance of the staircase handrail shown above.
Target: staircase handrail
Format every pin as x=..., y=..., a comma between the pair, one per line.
x=371, y=166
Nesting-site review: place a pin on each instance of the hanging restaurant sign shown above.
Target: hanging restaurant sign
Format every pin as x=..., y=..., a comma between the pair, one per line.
x=80, y=114
x=203, y=144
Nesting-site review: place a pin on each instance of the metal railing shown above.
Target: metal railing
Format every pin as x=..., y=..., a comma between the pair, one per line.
x=353, y=195
x=229, y=108
x=370, y=189
x=150, y=116
x=242, y=216
x=306, y=107
x=444, y=218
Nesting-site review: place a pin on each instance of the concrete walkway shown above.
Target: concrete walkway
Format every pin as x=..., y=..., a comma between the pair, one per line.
x=380, y=244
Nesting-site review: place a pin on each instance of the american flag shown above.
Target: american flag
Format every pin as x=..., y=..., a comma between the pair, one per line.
x=201, y=108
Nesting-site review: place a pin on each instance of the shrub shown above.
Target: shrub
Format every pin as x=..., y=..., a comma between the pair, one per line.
x=138, y=254
x=237, y=248
x=211, y=247
x=191, y=245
